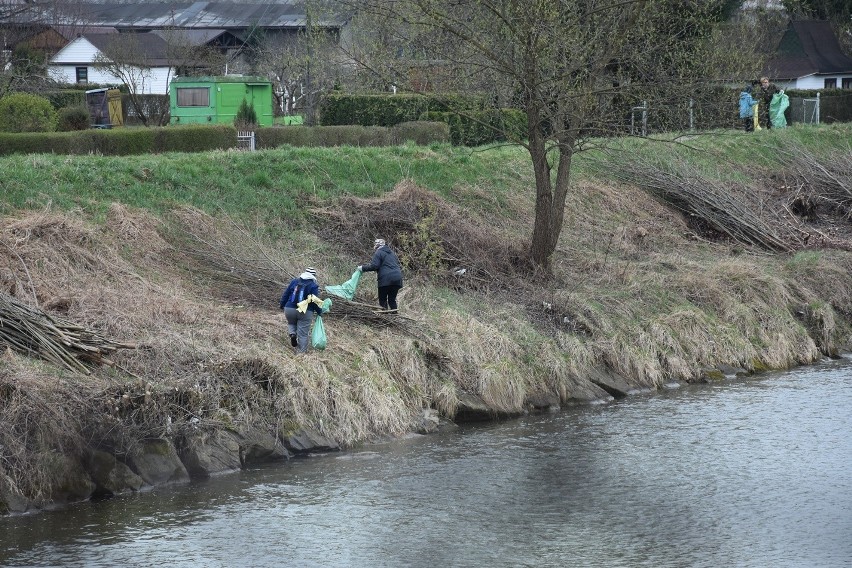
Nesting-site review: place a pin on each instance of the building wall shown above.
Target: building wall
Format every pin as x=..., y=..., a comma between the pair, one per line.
x=81, y=53
x=812, y=82
x=154, y=81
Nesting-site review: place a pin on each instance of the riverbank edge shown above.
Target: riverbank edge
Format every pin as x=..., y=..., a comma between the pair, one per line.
x=91, y=473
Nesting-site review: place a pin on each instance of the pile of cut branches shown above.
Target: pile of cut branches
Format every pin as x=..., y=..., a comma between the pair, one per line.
x=430, y=235
x=243, y=268
x=743, y=214
x=820, y=181
x=232, y=256
x=32, y=332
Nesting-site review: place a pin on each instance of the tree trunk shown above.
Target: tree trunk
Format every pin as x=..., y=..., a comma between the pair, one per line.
x=540, y=248
x=560, y=192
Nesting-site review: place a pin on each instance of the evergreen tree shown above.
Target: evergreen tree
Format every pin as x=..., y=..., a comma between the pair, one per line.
x=246, y=118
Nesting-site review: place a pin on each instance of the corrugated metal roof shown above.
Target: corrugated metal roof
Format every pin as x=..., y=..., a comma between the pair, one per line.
x=195, y=15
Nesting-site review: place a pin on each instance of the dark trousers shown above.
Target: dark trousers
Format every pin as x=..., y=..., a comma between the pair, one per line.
x=764, y=115
x=748, y=123
x=387, y=296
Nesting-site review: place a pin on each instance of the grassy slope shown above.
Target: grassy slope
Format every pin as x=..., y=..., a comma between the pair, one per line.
x=632, y=291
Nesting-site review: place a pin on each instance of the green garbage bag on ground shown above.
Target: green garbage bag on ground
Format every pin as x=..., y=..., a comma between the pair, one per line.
x=347, y=289
x=777, y=106
x=318, y=338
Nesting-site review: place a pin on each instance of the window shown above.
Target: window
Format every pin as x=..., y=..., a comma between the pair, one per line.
x=82, y=74
x=193, y=96
x=847, y=82
x=830, y=83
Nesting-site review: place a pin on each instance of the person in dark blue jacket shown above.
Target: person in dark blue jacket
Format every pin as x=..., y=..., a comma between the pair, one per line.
x=299, y=323
x=388, y=271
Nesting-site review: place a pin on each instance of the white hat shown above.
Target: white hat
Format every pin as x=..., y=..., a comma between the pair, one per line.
x=378, y=243
x=310, y=273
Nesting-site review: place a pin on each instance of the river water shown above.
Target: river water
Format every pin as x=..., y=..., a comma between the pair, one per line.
x=754, y=472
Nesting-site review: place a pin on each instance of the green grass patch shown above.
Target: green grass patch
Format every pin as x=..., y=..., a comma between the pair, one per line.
x=283, y=181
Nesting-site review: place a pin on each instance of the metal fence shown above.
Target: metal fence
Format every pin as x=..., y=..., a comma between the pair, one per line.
x=245, y=140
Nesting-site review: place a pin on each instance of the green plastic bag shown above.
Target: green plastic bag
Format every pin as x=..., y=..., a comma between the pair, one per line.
x=347, y=289
x=779, y=104
x=318, y=339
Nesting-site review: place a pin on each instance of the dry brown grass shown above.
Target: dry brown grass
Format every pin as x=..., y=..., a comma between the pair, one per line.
x=633, y=291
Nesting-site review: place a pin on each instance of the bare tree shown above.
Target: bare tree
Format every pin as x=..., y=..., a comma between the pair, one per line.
x=124, y=59
x=573, y=66
x=304, y=64
x=20, y=65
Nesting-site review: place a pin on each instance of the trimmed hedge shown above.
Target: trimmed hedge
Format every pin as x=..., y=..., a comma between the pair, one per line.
x=482, y=127
x=420, y=132
x=123, y=141
x=200, y=138
x=389, y=110
x=835, y=105
x=194, y=138
x=423, y=133
x=65, y=98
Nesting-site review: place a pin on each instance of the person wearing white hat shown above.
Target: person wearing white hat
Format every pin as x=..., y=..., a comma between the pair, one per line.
x=388, y=271
x=298, y=322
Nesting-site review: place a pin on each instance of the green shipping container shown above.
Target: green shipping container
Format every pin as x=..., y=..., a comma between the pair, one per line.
x=216, y=100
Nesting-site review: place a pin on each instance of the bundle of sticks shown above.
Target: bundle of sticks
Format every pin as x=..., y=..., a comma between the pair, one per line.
x=248, y=271
x=32, y=332
x=739, y=214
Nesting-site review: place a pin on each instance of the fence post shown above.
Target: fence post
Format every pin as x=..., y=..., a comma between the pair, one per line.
x=817, y=109
x=691, y=119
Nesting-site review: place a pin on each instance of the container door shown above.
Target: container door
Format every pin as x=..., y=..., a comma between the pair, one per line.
x=116, y=116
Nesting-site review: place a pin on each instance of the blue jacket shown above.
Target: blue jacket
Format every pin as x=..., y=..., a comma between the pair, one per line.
x=298, y=290
x=747, y=103
x=386, y=265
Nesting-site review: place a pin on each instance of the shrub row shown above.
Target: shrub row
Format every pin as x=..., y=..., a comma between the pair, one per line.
x=121, y=142
x=482, y=127
x=65, y=98
x=389, y=110
x=199, y=138
x=422, y=133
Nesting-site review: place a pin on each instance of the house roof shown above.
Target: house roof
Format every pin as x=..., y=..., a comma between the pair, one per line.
x=148, y=49
x=190, y=37
x=282, y=14
x=808, y=47
x=71, y=32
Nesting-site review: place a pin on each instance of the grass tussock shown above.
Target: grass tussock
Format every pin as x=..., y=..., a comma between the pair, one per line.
x=636, y=289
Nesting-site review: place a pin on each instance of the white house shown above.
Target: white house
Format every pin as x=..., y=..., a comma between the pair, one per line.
x=809, y=57
x=144, y=53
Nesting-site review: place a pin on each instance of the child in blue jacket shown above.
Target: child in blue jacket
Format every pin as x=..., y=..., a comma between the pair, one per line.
x=747, y=103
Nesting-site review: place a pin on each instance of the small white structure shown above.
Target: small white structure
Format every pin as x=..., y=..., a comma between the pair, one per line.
x=143, y=57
